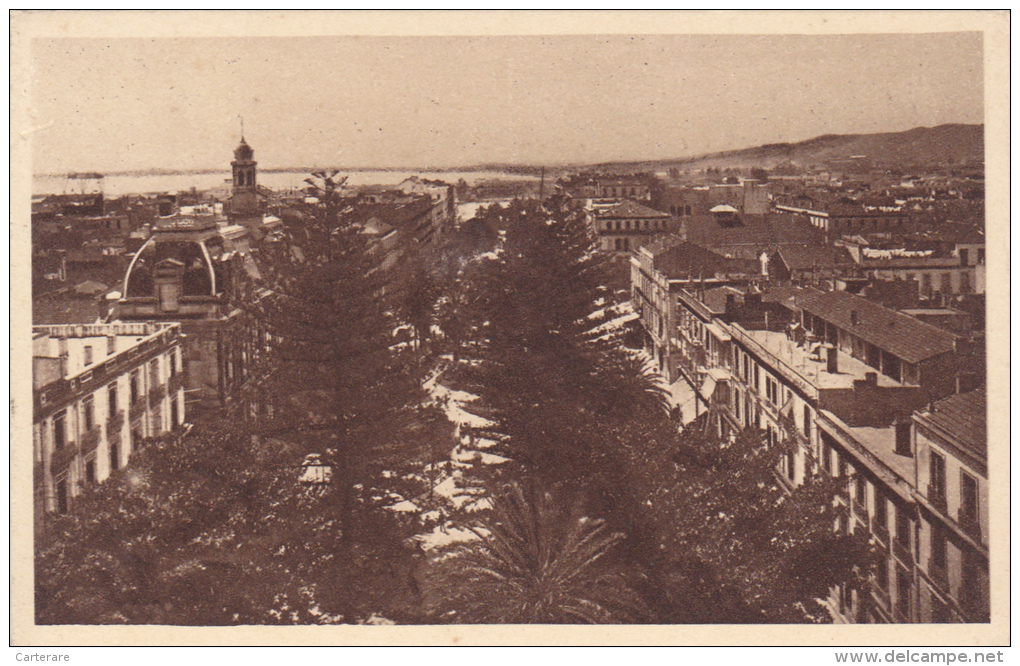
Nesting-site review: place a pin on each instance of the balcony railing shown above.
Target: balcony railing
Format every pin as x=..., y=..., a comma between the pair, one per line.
x=138, y=407
x=938, y=575
x=969, y=523
x=90, y=440
x=115, y=422
x=902, y=552
x=63, y=456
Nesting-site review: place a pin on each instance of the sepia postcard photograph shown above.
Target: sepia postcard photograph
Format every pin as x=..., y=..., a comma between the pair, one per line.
x=487, y=327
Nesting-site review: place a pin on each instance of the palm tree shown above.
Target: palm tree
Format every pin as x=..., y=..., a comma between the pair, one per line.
x=536, y=562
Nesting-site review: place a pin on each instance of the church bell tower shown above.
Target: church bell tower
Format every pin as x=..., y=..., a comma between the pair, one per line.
x=244, y=201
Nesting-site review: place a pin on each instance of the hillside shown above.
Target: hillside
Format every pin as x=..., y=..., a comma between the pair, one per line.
x=921, y=146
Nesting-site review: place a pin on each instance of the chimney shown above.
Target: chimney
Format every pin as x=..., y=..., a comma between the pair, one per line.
x=871, y=379
x=731, y=303
x=831, y=359
x=902, y=426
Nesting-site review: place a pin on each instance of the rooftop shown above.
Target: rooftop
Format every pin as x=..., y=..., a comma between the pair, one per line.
x=631, y=210
x=963, y=417
x=803, y=257
x=881, y=442
x=688, y=260
x=901, y=335
x=810, y=363
x=741, y=229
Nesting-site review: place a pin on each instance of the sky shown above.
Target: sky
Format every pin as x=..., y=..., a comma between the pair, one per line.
x=127, y=104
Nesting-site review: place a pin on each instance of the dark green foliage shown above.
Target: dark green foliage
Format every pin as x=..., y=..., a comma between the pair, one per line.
x=214, y=529
x=538, y=559
x=723, y=522
x=544, y=370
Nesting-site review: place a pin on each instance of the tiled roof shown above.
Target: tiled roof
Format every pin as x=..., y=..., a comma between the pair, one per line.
x=901, y=335
x=759, y=230
x=802, y=257
x=688, y=260
x=963, y=417
x=630, y=210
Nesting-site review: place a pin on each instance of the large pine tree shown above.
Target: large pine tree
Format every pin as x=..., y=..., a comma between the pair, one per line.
x=547, y=371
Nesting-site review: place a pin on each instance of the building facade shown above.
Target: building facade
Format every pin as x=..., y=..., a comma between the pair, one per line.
x=626, y=226
x=842, y=388
x=99, y=391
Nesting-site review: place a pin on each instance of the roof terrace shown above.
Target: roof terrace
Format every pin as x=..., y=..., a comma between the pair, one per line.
x=807, y=367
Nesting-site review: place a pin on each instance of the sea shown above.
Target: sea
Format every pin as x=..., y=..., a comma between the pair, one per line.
x=115, y=186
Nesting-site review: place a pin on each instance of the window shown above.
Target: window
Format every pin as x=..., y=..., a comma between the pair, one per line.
x=88, y=356
x=134, y=387
x=807, y=421
x=826, y=458
x=62, y=496
x=114, y=456
x=947, y=283
x=981, y=255
x=902, y=527
x=882, y=575
x=881, y=510
x=111, y=396
x=937, y=478
x=60, y=430
x=90, y=471
x=154, y=373
x=111, y=345
x=173, y=363
x=964, y=256
x=903, y=593
x=860, y=488
x=174, y=418
x=88, y=414
x=964, y=282
x=968, y=496
x=938, y=546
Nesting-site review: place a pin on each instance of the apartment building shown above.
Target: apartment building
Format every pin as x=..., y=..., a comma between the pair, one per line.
x=99, y=391
x=842, y=384
x=628, y=225
x=951, y=447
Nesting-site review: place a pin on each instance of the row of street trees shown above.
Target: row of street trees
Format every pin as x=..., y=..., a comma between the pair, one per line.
x=601, y=512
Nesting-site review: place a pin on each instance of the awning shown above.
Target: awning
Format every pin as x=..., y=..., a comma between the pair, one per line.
x=718, y=333
x=708, y=387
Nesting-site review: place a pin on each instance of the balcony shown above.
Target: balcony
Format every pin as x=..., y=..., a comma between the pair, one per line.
x=90, y=440
x=969, y=523
x=62, y=457
x=938, y=575
x=902, y=552
x=137, y=408
x=115, y=422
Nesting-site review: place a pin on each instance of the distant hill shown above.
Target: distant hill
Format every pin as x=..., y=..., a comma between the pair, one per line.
x=921, y=146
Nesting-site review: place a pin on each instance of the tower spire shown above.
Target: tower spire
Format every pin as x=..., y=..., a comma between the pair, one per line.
x=241, y=118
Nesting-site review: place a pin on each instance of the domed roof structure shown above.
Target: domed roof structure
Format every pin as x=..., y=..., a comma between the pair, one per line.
x=243, y=152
